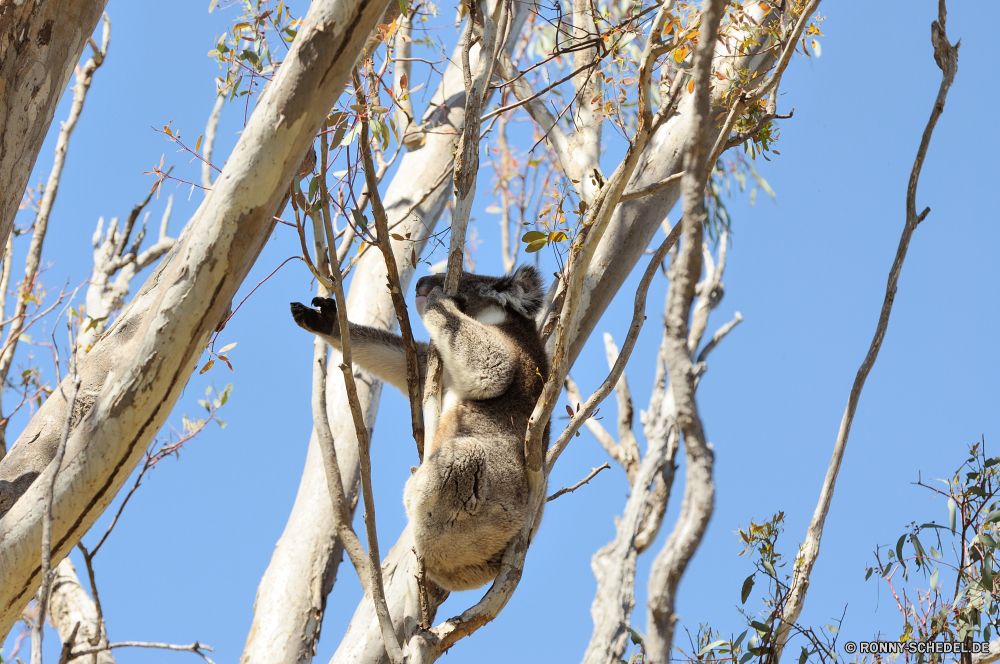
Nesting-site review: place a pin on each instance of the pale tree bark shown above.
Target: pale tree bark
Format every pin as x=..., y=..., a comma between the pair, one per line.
x=636, y=219
x=946, y=57
x=652, y=480
x=40, y=43
x=699, y=490
x=291, y=598
x=74, y=614
x=111, y=257
x=84, y=79
x=224, y=239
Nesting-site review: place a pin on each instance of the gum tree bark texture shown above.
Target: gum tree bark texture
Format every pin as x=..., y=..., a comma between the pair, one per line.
x=40, y=43
x=635, y=221
x=152, y=366
x=291, y=598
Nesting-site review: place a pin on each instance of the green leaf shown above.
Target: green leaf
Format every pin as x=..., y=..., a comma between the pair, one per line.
x=739, y=639
x=535, y=246
x=988, y=575
x=951, y=514
x=204, y=404
x=935, y=554
x=359, y=220
x=804, y=656
x=759, y=626
x=313, y=187
x=934, y=579
x=899, y=550
x=746, y=658
x=869, y=574
x=918, y=549
x=402, y=8
x=993, y=516
x=747, y=587
x=636, y=639
x=769, y=567
x=712, y=646
x=532, y=236
x=338, y=135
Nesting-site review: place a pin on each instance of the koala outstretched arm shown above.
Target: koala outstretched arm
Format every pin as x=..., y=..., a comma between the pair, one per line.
x=375, y=350
x=478, y=356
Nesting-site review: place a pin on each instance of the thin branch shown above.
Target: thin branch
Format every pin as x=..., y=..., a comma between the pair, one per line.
x=341, y=513
x=946, y=57
x=719, y=335
x=413, y=386
x=638, y=318
x=651, y=189
x=392, y=648
x=606, y=440
x=195, y=647
x=47, y=497
x=626, y=437
x=585, y=480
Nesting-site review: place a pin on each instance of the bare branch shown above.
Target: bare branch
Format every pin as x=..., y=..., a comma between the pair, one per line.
x=626, y=436
x=585, y=480
x=195, y=647
x=392, y=648
x=413, y=386
x=696, y=508
x=638, y=318
x=47, y=497
x=946, y=57
x=341, y=513
x=606, y=440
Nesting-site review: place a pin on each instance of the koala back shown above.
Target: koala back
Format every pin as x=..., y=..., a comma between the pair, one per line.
x=469, y=497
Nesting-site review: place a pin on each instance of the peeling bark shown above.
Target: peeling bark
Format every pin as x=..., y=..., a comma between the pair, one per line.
x=148, y=372
x=40, y=43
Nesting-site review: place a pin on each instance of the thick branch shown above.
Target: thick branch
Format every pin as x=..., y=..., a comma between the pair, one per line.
x=699, y=491
x=41, y=41
x=195, y=292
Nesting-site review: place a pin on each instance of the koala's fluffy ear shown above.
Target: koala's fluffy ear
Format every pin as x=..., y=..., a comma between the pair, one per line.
x=521, y=291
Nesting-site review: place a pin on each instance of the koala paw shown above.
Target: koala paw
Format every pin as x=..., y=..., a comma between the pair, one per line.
x=323, y=321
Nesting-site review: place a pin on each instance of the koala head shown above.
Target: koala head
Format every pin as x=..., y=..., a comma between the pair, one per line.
x=520, y=292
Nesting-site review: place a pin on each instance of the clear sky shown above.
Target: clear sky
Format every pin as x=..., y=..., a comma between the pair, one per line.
x=806, y=271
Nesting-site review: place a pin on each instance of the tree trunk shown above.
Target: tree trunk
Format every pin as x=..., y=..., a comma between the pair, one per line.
x=40, y=43
x=150, y=369
x=292, y=594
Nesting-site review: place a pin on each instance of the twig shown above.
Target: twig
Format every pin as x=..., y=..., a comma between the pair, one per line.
x=585, y=480
x=946, y=57
x=48, y=494
x=392, y=648
x=651, y=189
x=335, y=487
x=195, y=647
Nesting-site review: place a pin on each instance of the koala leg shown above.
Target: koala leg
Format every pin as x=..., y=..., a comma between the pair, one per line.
x=465, y=503
x=478, y=357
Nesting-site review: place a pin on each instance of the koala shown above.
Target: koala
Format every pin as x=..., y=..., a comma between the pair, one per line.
x=469, y=497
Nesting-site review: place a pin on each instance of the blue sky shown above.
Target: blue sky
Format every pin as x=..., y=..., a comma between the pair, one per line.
x=807, y=271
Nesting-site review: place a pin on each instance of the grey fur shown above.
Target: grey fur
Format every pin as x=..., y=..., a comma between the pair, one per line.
x=468, y=499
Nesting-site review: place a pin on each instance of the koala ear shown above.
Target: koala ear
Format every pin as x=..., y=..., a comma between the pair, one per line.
x=521, y=291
